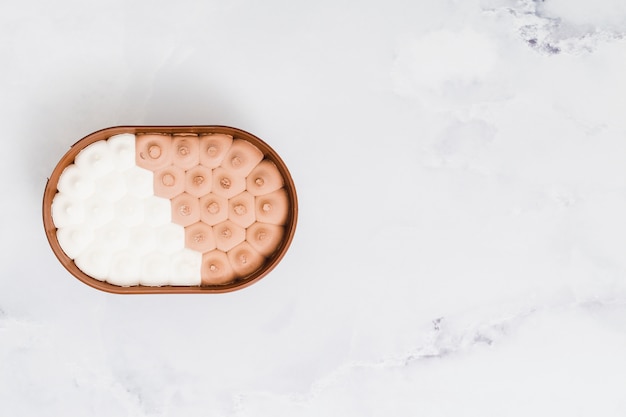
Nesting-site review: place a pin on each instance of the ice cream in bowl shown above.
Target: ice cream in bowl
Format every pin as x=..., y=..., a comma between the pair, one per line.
x=170, y=209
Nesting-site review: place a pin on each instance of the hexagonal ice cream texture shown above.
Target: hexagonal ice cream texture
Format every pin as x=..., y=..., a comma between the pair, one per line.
x=97, y=159
x=153, y=151
x=213, y=148
x=113, y=236
x=216, y=269
x=170, y=238
x=264, y=179
x=111, y=187
x=186, y=265
x=273, y=207
x=244, y=259
x=143, y=239
x=213, y=209
x=123, y=148
x=74, y=240
x=157, y=211
x=75, y=182
x=198, y=181
x=199, y=237
x=242, y=157
x=68, y=211
x=125, y=268
x=228, y=235
x=139, y=181
x=264, y=237
x=129, y=211
x=185, y=209
x=169, y=182
x=185, y=151
x=156, y=269
x=227, y=184
x=241, y=209
x=95, y=261
x=98, y=211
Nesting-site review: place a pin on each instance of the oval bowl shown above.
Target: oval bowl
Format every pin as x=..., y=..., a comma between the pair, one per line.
x=271, y=261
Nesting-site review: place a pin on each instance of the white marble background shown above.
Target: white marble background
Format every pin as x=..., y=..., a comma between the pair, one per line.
x=461, y=168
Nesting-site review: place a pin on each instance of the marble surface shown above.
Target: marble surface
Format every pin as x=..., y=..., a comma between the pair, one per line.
x=461, y=169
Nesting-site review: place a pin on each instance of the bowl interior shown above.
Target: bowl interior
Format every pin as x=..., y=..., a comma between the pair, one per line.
x=271, y=261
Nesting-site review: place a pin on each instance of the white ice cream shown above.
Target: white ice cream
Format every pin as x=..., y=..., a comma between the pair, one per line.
x=109, y=220
x=97, y=159
x=75, y=182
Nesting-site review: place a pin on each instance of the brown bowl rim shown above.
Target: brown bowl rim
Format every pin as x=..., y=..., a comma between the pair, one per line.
x=269, y=265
